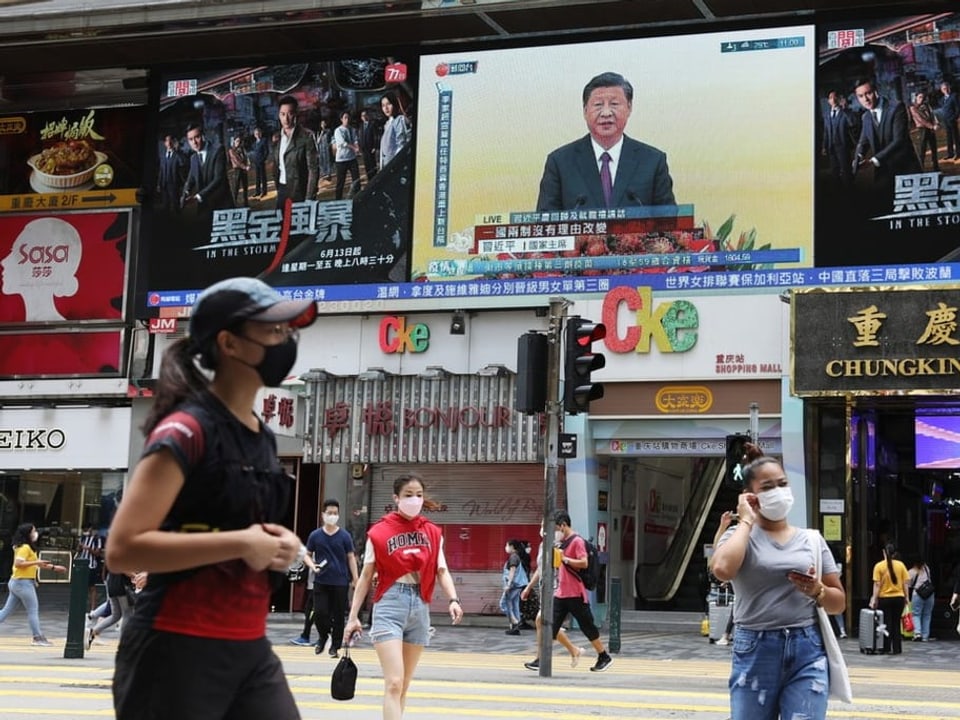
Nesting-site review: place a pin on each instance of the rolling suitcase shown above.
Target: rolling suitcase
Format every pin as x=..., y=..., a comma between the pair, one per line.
x=870, y=631
x=719, y=617
x=720, y=610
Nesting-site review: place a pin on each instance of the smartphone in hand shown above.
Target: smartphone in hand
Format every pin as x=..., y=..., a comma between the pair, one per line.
x=799, y=576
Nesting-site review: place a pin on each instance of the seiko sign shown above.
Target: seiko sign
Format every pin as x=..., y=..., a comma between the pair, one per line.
x=32, y=438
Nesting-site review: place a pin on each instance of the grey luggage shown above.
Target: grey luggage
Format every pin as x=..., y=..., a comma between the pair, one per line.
x=871, y=641
x=719, y=617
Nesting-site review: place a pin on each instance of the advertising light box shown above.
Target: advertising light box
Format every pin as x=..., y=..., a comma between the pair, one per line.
x=77, y=158
x=710, y=168
x=888, y=180
x=299, y=174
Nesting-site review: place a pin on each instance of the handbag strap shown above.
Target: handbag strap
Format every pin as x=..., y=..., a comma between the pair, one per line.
x=814, y=536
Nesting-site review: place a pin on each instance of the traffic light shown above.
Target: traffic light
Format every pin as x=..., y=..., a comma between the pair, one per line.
x=579, y=362
x=531, y=373
x=735, y=462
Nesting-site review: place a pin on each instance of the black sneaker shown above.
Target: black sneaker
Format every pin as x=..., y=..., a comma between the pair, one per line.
x=333, y=652
x=90, y=637
x=317, y=649
x=603, y=662
x=533, y=664
x=512, y=630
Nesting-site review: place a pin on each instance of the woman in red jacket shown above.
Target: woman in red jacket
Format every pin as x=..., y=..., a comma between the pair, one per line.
x=405, y=552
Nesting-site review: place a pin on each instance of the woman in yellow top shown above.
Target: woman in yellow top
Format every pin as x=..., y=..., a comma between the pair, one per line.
x=890, y=579
x=23, y=581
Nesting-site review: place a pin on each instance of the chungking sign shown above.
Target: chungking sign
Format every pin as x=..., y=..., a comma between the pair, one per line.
x=869, y=341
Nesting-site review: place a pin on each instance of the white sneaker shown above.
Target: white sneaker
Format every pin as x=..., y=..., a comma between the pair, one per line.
x=722, y=641
x=574, y=659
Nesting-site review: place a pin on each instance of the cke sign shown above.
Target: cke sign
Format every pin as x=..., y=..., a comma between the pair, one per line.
x=672, y=325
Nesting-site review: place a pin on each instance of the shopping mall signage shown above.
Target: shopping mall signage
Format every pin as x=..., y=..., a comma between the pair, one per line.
x=869, y=341
x=399, y=335
x=671, y=324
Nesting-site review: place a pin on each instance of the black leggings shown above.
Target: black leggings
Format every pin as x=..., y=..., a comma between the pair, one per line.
x=581, y=613
x=892, y=609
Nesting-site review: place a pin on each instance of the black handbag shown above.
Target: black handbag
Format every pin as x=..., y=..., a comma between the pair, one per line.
x=343, y=682
x=925, y=590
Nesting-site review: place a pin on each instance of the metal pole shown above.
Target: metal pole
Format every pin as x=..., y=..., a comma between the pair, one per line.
x=79, y=574
x=558, y=311
x=615, y=611
x=755, y=423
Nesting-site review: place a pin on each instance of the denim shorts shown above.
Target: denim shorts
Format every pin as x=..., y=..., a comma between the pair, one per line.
x=779, y=674
x=401, y=614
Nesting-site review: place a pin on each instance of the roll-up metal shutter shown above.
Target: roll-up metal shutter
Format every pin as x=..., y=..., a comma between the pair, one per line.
x=474, y=494
x=482, y=506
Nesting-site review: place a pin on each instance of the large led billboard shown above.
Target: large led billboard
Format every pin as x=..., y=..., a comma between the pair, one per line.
x=710, y=167
x=300, y=174
x=888, y=181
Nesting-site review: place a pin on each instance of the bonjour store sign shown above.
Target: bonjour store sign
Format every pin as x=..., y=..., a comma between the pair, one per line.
x=864, y=341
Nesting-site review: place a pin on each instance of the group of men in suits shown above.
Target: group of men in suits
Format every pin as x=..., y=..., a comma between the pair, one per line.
x=879, y=136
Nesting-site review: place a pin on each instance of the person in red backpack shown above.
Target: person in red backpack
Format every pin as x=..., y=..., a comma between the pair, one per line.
x=405, y=552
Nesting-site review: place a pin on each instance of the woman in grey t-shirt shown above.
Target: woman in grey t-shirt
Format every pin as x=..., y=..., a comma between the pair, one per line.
x=779, y=662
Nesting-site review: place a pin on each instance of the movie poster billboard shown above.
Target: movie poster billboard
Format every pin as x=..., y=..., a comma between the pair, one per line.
x=299, y=174
x=709, y=167
x=63, y=267
x=888, y=177
x=70, y=159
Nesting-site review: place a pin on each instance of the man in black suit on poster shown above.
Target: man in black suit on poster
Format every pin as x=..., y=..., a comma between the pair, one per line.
x=369, y=143
x=173, y=170
x=838, y=139
x=207, y=180
x=605, y=168
x=885, y=133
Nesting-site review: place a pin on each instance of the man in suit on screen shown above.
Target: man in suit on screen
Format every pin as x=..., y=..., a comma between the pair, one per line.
x=207, y=180
x=885, y=140
x=605, y=168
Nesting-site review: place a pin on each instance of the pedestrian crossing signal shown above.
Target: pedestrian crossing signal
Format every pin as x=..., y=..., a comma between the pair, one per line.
x=735, y=459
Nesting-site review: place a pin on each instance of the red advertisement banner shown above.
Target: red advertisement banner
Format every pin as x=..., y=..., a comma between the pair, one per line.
x=61, y=353
x=67, y=267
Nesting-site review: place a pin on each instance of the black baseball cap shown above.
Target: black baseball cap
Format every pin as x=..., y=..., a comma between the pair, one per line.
x=225, y=304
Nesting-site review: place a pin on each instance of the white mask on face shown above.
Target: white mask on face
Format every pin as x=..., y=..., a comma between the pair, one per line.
x=507, y=549
x=410, y=506
x=331, y=518
x=775, y=503
x=558, y=536
x=33, y=536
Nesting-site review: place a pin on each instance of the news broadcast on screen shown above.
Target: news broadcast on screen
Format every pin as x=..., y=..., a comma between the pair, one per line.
x=703, y=172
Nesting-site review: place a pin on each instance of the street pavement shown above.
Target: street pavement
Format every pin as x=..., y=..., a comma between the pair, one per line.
x=477, y=671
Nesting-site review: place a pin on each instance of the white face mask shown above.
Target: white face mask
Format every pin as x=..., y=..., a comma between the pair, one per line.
x=410, y=506
x=558, y=536
x=775, y=503
x=331, y=518
x=33, y=536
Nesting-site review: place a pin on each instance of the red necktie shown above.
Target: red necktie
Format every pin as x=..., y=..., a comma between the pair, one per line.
x=606, y=182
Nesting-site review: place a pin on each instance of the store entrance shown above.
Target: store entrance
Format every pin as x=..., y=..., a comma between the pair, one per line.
x=904, y=467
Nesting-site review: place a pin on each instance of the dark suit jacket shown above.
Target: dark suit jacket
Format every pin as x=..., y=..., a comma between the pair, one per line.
x=571, y=178
x=301, y=163
x=837, y=133
x=890, y=143
x=949, y=107
x=209, y=181
x=172, y=170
